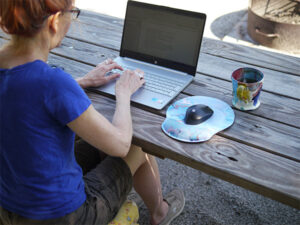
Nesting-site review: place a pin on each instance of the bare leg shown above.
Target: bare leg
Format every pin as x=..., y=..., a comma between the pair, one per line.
x=146, y=181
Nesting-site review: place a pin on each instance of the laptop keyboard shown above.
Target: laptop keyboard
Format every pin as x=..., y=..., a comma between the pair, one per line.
x=159, y=84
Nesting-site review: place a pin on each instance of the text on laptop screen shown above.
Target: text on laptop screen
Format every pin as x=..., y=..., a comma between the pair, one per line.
x=162, y=33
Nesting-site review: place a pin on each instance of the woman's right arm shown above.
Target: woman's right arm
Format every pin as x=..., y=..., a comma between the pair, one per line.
x=113, y=138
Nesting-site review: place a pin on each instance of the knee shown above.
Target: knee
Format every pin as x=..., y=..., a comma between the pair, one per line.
x=138, y=154
x=135, y=158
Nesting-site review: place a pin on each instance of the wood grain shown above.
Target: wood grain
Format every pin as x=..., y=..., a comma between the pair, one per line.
x=252, y=56
x=2, y=41
x=108, y=34
x=83, y=52
x=273, y=107
x=103, y=25
x=253, y=130
x=261, y=133
x=4, y=35
x=259, y=171
x=104, y=33
x=274, y=82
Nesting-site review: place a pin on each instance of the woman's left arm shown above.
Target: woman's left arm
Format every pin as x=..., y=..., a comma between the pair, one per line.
x=97, y=76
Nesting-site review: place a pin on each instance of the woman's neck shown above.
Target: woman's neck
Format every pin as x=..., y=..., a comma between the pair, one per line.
x=21, y=50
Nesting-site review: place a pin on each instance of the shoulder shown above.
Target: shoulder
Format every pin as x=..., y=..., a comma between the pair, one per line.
x=55, y=79
x=63, y=97
x=56, y=83
x=55, y=74
x=47, y=71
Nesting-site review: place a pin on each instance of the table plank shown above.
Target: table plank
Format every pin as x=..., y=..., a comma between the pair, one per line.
x=281, y=83
x=274, y=107
x=274, y=82
x=263, y=134
x=272, y=135
x=258, y=132
x=2, y=41
x=103, y=32
x=103, y=25
x=256, y=170
x=108, y=34
x=253, y=56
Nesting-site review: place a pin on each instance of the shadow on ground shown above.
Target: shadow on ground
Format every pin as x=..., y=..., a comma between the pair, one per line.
x=211, y=201
x=232, y=25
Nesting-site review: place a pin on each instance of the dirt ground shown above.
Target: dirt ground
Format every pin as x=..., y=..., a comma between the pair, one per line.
x=211, y=201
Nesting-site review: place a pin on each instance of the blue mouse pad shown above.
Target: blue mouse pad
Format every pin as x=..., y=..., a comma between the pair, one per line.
x=175, y=127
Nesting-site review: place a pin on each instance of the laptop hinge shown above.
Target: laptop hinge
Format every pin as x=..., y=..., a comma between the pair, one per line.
x=156, y=66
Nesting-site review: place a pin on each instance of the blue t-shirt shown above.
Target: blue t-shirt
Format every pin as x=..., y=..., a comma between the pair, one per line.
x=39, y=176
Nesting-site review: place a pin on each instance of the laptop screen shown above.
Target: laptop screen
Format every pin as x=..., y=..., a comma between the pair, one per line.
x=164, y=36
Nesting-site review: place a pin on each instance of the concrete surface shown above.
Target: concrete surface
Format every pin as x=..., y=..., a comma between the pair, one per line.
x=209, y=200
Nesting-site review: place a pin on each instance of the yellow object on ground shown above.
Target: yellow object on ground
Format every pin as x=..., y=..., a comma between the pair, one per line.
x=127, y=215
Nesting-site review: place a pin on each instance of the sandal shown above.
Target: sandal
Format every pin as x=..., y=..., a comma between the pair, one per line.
x=176, y=202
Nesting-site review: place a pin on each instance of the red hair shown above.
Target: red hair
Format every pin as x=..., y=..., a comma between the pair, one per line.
x=26, y=17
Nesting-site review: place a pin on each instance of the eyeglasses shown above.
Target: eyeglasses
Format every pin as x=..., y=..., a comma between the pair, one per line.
x=75, y=12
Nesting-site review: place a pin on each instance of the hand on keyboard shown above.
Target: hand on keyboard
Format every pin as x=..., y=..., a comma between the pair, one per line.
x=98, y=77
x=129, y=83
x=158, y=84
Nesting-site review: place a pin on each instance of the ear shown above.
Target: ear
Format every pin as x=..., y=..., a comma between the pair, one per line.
x=53, y=21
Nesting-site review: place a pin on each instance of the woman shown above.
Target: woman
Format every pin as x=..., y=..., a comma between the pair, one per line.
x=41, y=109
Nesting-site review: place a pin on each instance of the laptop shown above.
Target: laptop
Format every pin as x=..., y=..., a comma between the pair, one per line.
x=163, y=42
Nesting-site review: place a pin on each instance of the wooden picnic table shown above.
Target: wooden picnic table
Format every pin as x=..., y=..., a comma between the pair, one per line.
x=260, y=151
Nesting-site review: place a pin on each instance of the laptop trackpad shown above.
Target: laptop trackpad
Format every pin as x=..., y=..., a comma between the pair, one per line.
x=149, y=98
x=141, y=96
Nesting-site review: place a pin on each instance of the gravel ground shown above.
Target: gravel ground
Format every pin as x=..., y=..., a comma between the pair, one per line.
x=212, y=201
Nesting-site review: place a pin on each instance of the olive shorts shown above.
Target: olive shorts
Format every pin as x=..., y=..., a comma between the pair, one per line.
x=108, y=181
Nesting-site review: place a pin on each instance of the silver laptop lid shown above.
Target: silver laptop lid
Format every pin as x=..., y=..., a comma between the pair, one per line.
x=163, y=36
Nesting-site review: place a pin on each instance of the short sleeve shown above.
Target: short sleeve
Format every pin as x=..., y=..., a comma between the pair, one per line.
x=65, y=99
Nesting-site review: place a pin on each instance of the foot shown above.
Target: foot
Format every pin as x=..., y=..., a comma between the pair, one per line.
x=176, y=201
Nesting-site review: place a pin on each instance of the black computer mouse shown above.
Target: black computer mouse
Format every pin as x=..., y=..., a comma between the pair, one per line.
x=196, y=114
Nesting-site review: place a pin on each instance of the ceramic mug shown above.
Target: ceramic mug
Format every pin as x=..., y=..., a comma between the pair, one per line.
x=247, y=84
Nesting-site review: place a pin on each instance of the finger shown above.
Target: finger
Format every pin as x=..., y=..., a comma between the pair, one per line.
x=143, y=81
x=106, y=62
x=128, y=74
x=140, y=73
x=109, y=61
x=113, y=76
x=114, y=65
